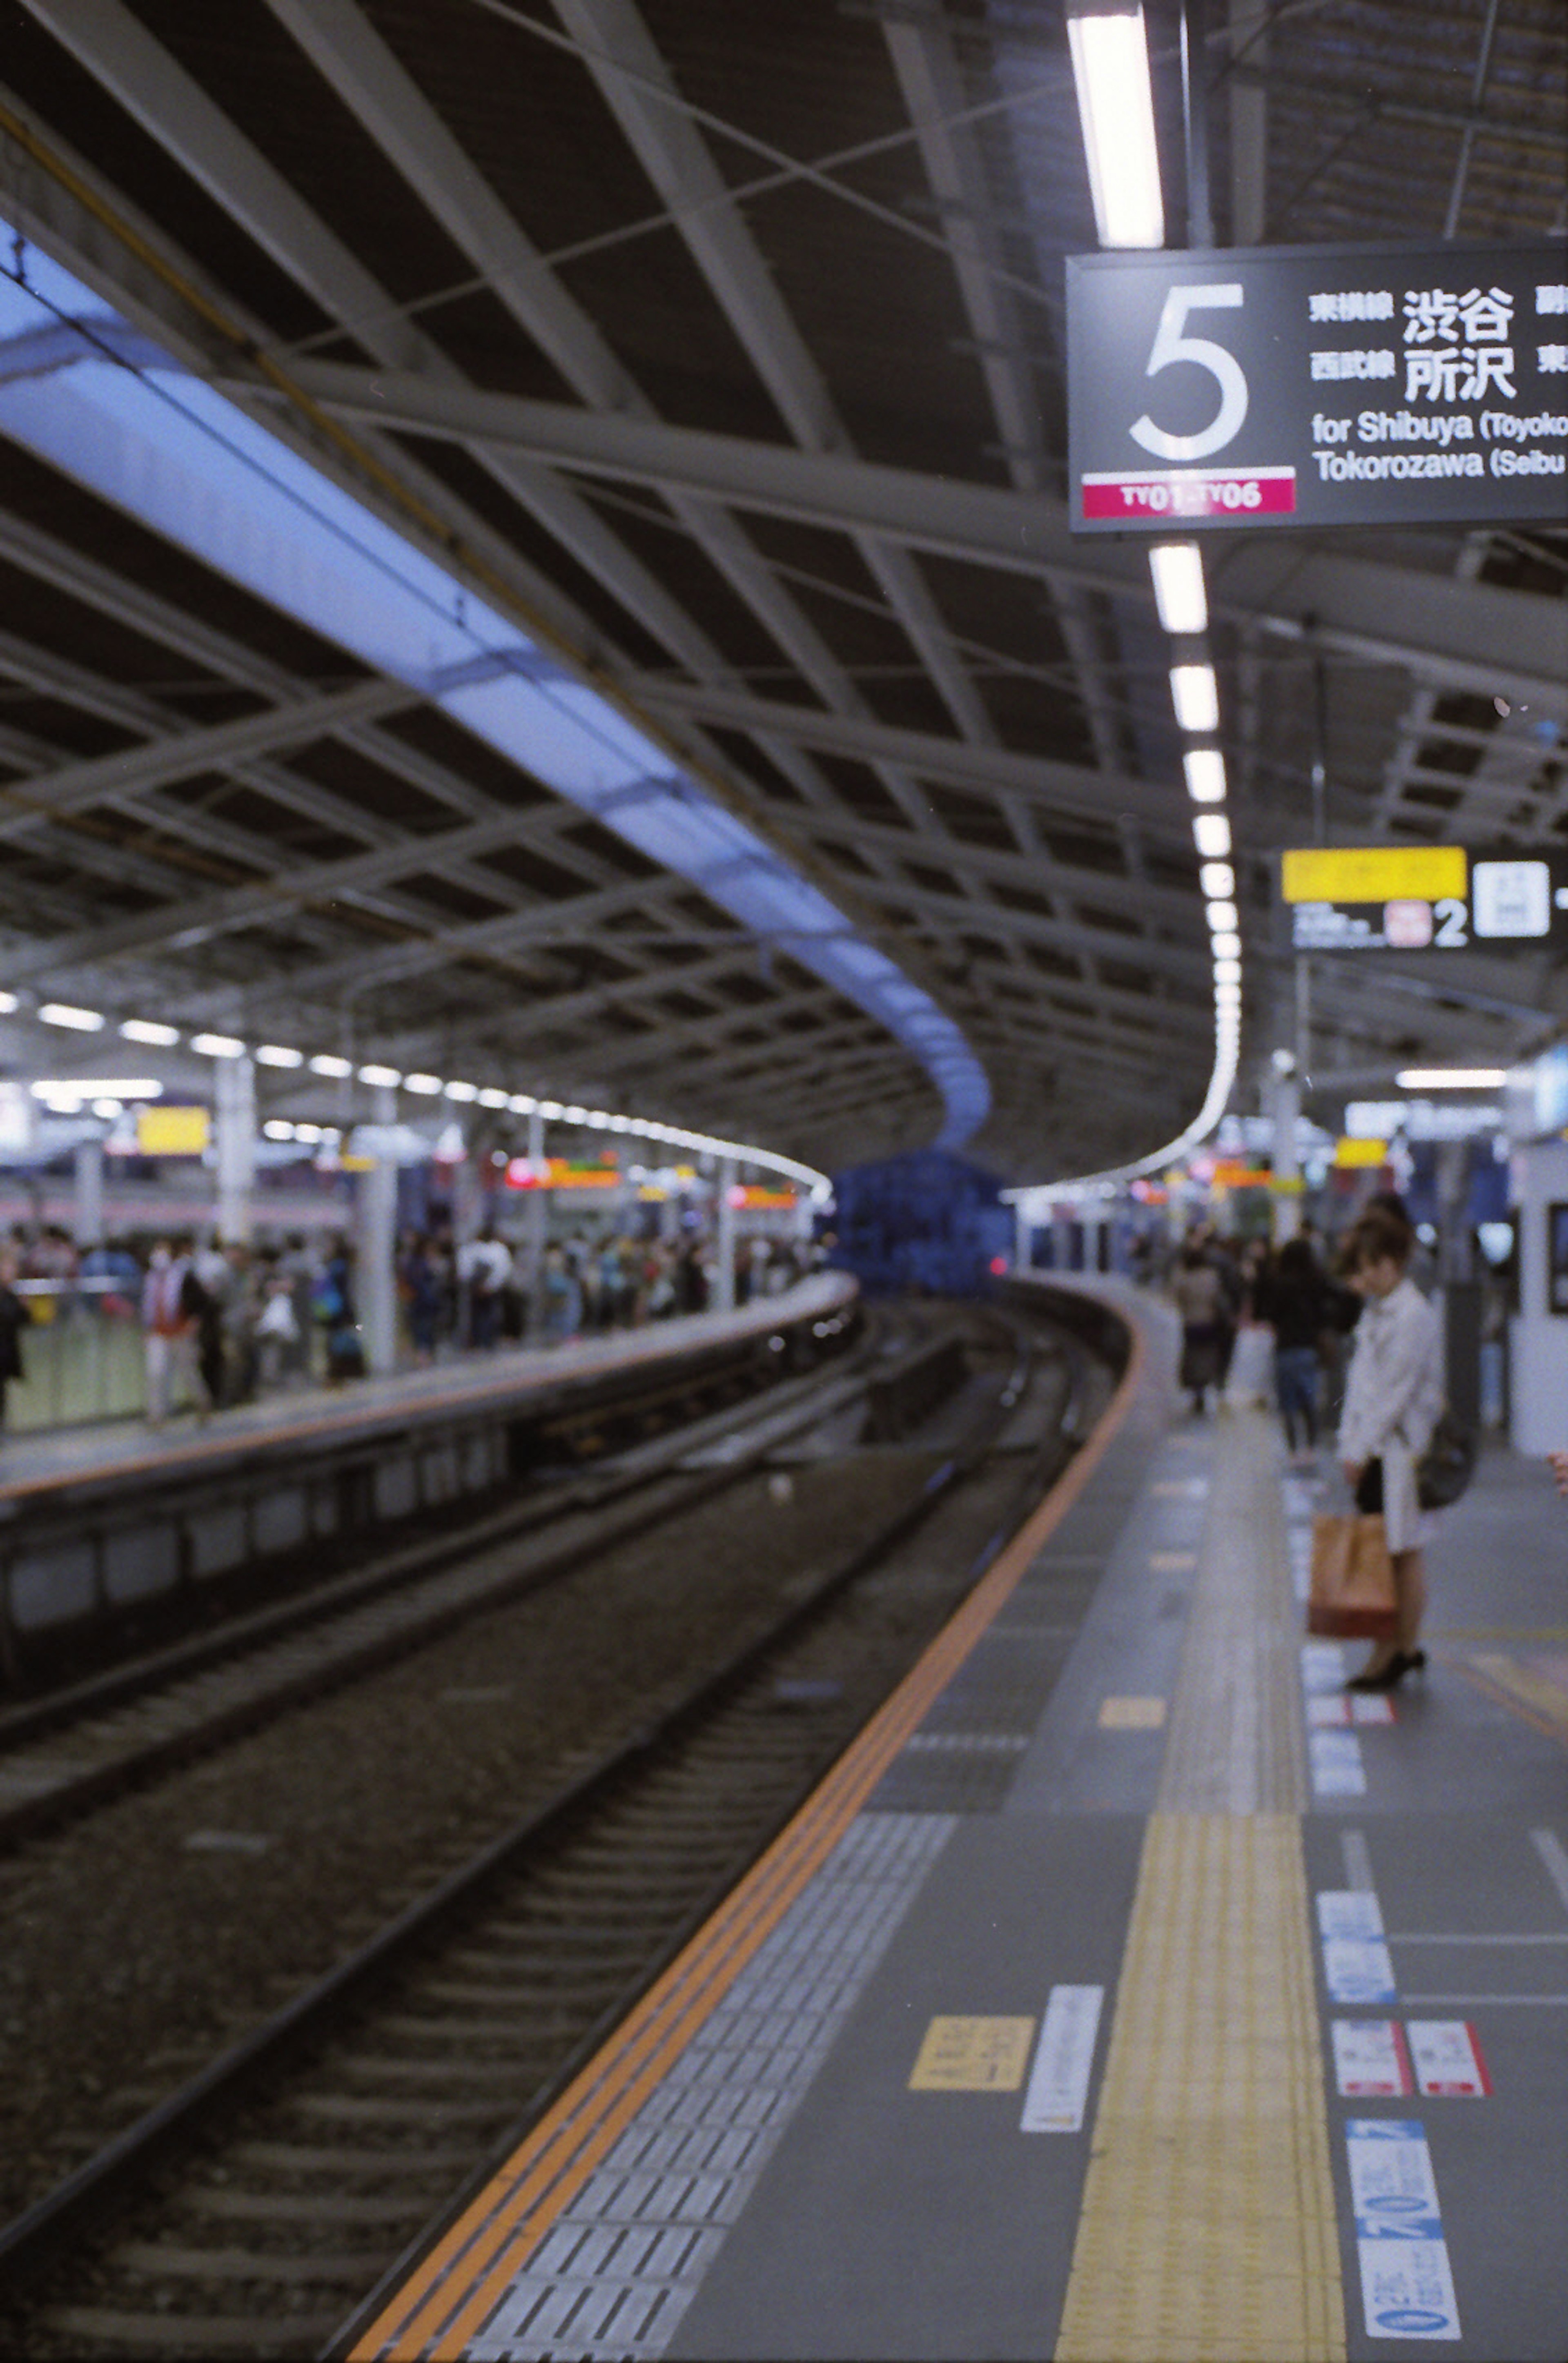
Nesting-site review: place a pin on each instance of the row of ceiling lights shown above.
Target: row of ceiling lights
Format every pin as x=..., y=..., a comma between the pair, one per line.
x=152, y=1034
x=1110, y=66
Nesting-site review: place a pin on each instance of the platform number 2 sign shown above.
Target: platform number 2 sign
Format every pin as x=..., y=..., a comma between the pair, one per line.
x=1171, y=343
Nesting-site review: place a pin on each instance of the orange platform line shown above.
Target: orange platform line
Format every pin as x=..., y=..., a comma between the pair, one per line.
x=463, y=2277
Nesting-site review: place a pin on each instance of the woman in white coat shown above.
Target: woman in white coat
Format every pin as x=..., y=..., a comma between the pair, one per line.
x=1393, y=1398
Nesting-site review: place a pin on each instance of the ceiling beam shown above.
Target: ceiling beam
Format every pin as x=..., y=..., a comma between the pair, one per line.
x=967, y=917
x=572, y=921
x=1460, y=635
x=1036, y=873
x=183, y=926
x=1054, y=787
x=27, y=805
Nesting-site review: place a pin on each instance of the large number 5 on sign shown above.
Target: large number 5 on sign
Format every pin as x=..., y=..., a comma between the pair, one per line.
x=1170, y=345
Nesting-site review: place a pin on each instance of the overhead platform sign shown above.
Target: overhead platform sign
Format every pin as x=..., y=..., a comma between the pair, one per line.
x=1419, y=898
x=1317, y=385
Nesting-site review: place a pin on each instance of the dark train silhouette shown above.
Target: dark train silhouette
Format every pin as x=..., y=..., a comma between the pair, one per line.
x=924, y=1221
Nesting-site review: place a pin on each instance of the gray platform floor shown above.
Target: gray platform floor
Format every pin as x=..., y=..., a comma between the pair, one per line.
x=787, y=2192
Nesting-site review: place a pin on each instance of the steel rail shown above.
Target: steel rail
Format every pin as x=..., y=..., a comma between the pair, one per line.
x=116, y=2177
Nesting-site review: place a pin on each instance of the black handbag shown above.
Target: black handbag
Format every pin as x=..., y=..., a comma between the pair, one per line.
x=1447, y=1466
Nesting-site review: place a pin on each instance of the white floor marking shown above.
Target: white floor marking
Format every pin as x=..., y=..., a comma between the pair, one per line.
x=1447, y=2059
x=1407, y=2283
x=1331, y=1710
x=1474, y=2001
x=1553, y=1855
x=1356, y=1967
x=1357, y=1856
x=1349, y=1912
x=1371, y=2062
x=1422, y=1936
x=1323, y=1665
x=1334, y=1759
x=1058, y=2090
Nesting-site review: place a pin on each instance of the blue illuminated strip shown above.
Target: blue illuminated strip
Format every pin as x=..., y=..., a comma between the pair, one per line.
x=185, y=461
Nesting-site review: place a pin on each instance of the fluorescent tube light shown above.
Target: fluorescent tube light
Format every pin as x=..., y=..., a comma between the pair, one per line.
x=149, y=1030
x=1228, y=971
x=1211, y=835
x=80, y=1021
x=462, y=1091
x=382, y=1078
x=217, y=1045
x=327, y=1062
x=522, y=1103
x=1204, y=768
x=1217, y=879
x=1225, y=947
x=1116, y=108
x=277, y=1054
x=8, y=1002
x=492, y=1098
x=1179, y=593
x=428, y=1086
x=93, y=1087
x=275, y=1128
x=1223, y=917
x=1452, y=1078
x=1194, y=694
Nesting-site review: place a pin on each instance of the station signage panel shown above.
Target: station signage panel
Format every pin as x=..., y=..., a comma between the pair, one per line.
x=1417, y=898
x=562, y=1173
x=1316, y=385
x=172, y=1131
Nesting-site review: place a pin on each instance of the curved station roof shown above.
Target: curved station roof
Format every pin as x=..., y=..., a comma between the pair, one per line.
x=534, y=549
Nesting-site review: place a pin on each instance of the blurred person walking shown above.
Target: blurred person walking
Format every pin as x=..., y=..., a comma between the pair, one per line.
x=168, y=1331
x=483, y=1268
x=14, y=1319
x=1291, y=1295
x=1200, y=1301
x=422, y=1286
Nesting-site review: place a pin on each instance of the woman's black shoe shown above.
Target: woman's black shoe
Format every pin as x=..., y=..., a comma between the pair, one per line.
x=1393, y=1674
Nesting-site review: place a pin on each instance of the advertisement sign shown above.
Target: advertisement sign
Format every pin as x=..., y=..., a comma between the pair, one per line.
x=1417, y=898
x=172, y=1131
x=562, y=1173
x=1316, y=385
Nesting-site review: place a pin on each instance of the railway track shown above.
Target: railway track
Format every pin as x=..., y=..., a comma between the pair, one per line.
x=251, y=2210
x=65, y=1753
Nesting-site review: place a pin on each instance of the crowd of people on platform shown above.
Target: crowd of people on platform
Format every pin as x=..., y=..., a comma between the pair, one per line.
x=222, y=1323
x=1261, y=1321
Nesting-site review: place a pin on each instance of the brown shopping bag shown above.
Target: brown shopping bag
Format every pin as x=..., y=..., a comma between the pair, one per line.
x=1352, y=1595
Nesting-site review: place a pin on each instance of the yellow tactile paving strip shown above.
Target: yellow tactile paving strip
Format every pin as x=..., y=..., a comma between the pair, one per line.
x=1236, y=1743
x=1208, y=2231
x=460, y=2282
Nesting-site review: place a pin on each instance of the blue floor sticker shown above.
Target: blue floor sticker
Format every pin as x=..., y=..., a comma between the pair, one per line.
x=1407, y=2282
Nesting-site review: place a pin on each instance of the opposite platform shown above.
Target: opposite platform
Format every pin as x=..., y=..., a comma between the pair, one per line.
x=1118, y=1997
x=124, y=1452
